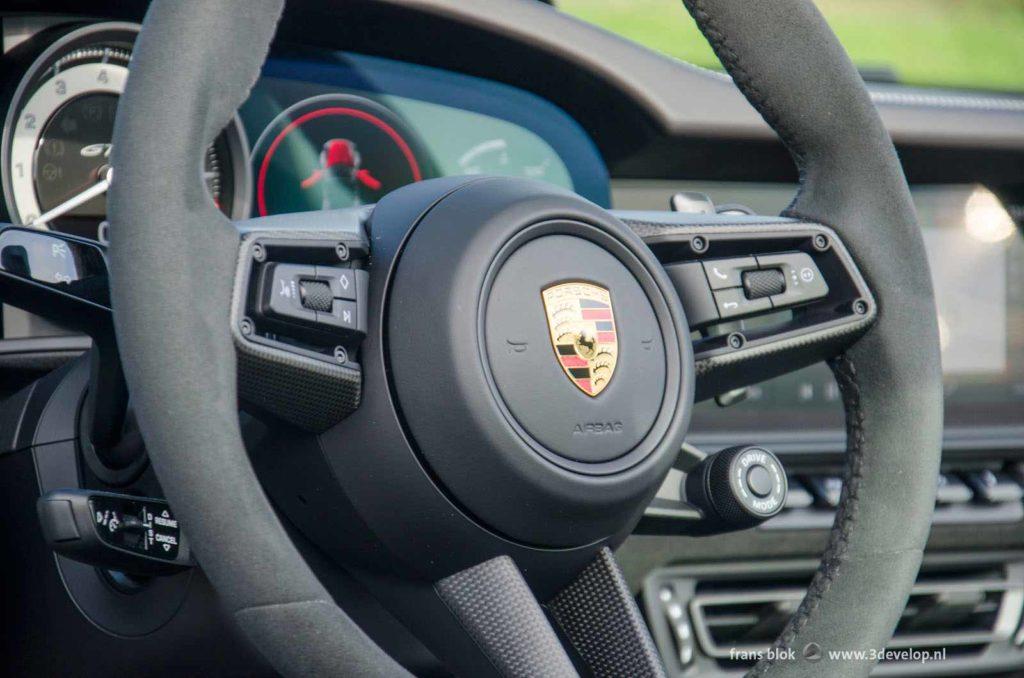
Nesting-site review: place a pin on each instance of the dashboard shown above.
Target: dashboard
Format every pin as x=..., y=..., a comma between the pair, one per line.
x=340, y=117
x=326, y=129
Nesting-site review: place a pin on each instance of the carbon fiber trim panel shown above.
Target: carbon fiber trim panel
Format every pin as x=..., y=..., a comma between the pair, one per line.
x=309, y=393
x=599, y=616
x=497, y=608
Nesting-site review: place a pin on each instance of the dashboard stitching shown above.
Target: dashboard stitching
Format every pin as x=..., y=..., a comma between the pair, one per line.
x=961, y=102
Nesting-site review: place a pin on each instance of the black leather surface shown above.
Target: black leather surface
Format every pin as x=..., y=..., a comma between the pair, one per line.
x=172, y=272
x=791, y=67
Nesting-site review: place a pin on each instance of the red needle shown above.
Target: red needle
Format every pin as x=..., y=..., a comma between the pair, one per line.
x=312, y=179
x=368, y=180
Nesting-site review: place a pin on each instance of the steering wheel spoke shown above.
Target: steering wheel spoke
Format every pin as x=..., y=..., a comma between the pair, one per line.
x=595, y=614
x=495, y=606
x=299, y=315
x=600, y=619
x=763, y=295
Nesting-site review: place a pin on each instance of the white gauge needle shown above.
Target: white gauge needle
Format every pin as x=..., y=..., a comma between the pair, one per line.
x=99, y=188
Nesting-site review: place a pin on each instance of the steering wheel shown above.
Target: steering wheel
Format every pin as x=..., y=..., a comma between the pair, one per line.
x=457, y=470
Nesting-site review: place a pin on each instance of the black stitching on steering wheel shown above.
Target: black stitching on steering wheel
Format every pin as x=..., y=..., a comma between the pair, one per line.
x=846, y=376
x=843, y=367
x=745, y=81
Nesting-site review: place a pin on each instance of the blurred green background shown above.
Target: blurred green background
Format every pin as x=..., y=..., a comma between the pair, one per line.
x=976, y=44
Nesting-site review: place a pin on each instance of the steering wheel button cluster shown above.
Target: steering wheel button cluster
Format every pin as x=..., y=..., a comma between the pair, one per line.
x=326, y=297
x=742, y=286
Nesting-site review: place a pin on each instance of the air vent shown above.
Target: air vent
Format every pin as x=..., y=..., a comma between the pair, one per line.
x=962, y=614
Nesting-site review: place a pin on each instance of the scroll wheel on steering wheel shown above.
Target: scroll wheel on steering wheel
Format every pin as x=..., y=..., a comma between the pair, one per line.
x=316, y=295
x=763, y=283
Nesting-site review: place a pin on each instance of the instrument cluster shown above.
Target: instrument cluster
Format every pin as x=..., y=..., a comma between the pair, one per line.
x=328, y=132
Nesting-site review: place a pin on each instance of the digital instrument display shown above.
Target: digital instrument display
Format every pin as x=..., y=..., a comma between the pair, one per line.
x=976, y=254
x=344, y=134
x=333, y=151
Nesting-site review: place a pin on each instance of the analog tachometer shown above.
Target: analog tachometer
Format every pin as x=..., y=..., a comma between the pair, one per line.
x=56, y=146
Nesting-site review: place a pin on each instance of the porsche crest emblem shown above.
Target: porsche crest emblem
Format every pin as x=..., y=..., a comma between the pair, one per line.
x=583, y=333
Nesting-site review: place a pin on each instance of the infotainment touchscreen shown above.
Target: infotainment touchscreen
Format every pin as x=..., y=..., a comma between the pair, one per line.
x=976, y=253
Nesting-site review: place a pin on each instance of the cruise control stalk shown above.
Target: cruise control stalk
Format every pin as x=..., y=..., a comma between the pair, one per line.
x=136, y=535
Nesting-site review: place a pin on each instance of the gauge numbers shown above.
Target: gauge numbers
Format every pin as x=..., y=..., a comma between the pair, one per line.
x=57, y=141
x=61, y=144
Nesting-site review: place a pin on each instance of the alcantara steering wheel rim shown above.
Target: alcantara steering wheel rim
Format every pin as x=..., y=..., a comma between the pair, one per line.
x=179, y=351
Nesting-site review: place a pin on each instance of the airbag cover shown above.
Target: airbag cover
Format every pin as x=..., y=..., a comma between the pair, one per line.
x=532, y=372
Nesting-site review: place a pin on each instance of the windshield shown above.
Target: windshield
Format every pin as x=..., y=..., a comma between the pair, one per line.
x=962, y=44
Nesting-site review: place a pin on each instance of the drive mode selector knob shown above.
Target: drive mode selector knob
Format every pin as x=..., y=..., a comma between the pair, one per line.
x=737, y=488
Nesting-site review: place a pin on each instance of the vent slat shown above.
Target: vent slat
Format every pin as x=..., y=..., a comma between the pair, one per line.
x=957, y=614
